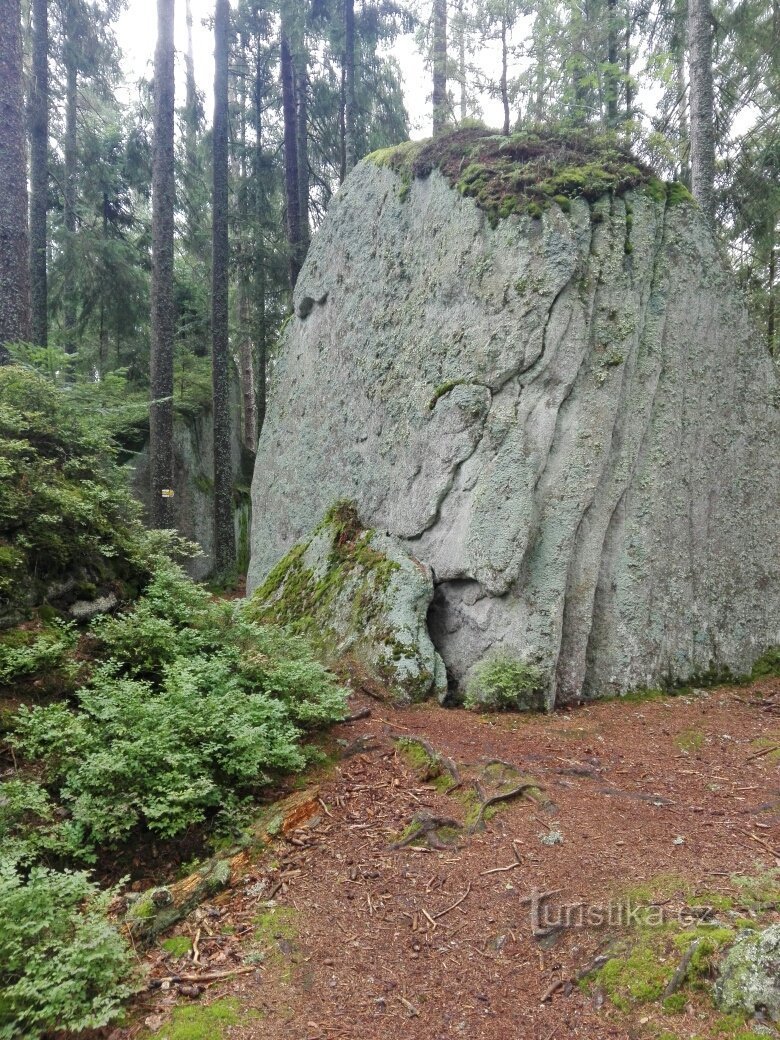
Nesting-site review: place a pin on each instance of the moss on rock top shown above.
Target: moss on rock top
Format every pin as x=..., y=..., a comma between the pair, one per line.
x=529, y=170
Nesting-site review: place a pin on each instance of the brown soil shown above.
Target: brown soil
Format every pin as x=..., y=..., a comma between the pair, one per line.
x=370, y=943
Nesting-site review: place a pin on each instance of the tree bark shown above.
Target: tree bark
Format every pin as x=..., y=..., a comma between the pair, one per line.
x=504, y=76
x=224, y=532
x=243, y=309
x=611, y=73
x=70, y=146
x=770, y=324
x=702, y=105
x=464, y=108
x=302, y=148
x=440, y=107
x=39, y=170
x=259, y=258
x=350, y=152
x=14, y=259
x=291, y=185
x=162, y=338
x=682, y=92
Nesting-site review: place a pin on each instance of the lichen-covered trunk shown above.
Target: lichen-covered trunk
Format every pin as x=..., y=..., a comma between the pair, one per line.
x=678, y=49
x=224, y=532
x=39, y=170
x=163, y=319
x=440, y=106
x=462, y=62
x=14, y=270
x=291, y=179
x=702, y=105
x=350, y=152
x=612, y=71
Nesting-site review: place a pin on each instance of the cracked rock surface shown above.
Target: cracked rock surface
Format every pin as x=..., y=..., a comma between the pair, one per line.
x=570, y=420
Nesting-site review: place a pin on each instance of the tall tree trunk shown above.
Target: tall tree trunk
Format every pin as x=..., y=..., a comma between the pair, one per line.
x=464, y=106
x=191, y=96
x=302, y=148
x=770, y=324
x=350, y=153
x=224, y=532
x=14, y=259
x=291, y=180
x=611, y=75
x=629, y=89
x=243, y=307
x=39, y=170
x=678, y=47
x=702, y=105
x=163, y=323
x=259, y=257
x=70, y=149
x=504, y=77
x=440, y=107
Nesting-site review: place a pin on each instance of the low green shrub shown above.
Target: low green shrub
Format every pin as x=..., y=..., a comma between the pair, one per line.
x=191, y=707
x=503, y=683
x=24, y=653
x=63, y=965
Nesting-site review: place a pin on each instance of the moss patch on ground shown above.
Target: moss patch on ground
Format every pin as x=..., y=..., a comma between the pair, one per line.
x=205, y=1021
x=529, y=171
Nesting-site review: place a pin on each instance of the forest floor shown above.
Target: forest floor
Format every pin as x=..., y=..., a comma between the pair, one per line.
x=339, y=934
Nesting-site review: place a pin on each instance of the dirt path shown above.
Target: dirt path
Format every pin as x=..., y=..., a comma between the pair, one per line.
x=365, y=941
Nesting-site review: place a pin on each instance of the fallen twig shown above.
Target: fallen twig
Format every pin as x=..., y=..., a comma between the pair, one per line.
x=441, y=913
x=212, y=976
x=680, y=974
x=766, y=845
x=762, y=752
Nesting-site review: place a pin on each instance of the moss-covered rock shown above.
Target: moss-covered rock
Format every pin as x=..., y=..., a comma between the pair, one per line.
x=749, y=977
x=358, y=595
x=529, y=171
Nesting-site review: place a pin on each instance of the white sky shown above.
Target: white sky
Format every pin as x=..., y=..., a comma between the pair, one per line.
x=137, y=30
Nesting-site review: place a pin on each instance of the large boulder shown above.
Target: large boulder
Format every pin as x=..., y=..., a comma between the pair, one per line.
x=542, y=379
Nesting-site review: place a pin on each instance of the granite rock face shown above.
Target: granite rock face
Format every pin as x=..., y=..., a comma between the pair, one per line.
x=569, y=419
x=361, y=598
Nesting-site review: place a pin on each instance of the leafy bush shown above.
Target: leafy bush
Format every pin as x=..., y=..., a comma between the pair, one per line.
x=62, y=964
x=505, y=684
x=65, y=508
x=26, y=653
x=192, y=705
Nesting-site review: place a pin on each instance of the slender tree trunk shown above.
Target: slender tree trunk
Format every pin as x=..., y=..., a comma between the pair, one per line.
x=291, y=180
x=224, y=532
x=464, y=106
x=163, y=324
x=70, y=149
x=702, y=105
x=243, y=308
x=302, y=148
x=14, y=259
x=440, y=107
x=350, y=152
x=39, y=170
x=611, y=74
x=770, y=324
x=504, y=76
x=191, y=97
x=682, y=93
x=259, y=257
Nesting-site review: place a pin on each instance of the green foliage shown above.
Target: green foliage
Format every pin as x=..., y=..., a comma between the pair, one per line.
x=190, y=705
x=62, y=964
x=25, y=653
x=767, y=665
x=505, y=684
x=65, y=508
